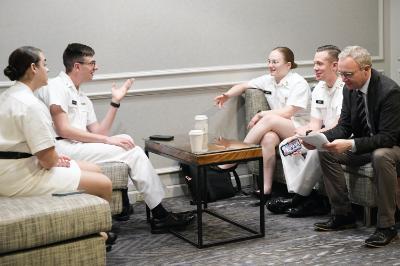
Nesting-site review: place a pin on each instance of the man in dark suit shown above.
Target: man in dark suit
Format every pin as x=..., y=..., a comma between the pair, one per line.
x=368, y=131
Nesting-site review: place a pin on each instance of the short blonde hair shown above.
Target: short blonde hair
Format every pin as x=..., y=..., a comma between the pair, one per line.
x=358, y=53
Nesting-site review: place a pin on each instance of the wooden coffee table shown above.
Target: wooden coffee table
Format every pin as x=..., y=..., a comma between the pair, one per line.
x=220, y=151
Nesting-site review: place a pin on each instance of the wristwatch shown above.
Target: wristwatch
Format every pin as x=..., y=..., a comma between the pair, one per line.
x=116, y=105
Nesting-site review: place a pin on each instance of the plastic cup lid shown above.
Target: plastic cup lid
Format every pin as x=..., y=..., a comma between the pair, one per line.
x=196, y=132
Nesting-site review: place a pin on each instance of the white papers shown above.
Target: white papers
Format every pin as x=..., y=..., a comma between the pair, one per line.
x=315, y=139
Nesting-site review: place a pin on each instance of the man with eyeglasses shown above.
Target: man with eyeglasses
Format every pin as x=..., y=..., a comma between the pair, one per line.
x=82, y=137
x=368, y=131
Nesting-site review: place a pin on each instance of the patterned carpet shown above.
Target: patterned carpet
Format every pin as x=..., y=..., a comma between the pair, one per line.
x=288, y=241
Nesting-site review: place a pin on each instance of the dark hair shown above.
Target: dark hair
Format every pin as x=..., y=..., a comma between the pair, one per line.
x=287, y=55
x=74, y=53
x=333, y=51
x=20, y=60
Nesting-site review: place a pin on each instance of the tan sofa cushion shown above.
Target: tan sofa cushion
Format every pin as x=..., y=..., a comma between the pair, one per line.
x=118, y=173
x=27, y=222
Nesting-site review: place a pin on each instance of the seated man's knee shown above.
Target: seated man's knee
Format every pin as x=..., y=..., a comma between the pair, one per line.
x=381, y=155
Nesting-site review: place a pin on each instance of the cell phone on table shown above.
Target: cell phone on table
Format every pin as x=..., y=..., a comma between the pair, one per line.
x=162, y=137
x=291, y=147
x=67, y=193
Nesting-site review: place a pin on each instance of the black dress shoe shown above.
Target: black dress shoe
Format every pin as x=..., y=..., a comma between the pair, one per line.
x=382, y=237
x=267, y=197
x=171, y=221
x=111, y=238
x=336, y=223
x=279, y=205
x=309, y=207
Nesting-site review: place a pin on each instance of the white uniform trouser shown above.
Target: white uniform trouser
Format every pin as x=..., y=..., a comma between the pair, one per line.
x=141, y=170
x=301, y=174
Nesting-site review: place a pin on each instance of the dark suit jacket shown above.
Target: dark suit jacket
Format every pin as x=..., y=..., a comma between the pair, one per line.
x=383, y=112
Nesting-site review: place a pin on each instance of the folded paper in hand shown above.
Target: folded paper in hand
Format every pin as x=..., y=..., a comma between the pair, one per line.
x=315, y=139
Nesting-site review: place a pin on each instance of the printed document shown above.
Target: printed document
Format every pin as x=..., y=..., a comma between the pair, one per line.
x=315, y=139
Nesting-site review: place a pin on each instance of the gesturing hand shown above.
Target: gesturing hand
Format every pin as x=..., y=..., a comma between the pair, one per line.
x=124, y=143
x=119, y=94
x=254, y=120
x=63, y=161
x=221, y=99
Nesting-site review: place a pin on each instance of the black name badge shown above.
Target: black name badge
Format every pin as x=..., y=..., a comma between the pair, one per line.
x=74, y=102
x=268, y=92
x=319, y=101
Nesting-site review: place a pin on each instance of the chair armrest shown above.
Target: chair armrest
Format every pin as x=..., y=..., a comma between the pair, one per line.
x=255, y=101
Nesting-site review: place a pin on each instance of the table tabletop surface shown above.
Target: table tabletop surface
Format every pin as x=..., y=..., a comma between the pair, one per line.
x=220, y=150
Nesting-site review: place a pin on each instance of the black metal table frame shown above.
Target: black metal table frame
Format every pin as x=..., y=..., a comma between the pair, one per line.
x=202, y=206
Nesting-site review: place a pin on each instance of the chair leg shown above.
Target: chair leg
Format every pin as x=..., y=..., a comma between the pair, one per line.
x=148, y=214
x=127, y=208
x=367, y=216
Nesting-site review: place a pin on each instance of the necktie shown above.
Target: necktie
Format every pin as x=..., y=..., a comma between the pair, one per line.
x=362, y=115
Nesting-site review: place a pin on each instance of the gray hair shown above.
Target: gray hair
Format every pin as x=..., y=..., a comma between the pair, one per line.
x=358, y=53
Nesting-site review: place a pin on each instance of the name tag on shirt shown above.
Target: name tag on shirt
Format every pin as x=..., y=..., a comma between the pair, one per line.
x=319, y=101
x=74, y=102
x=268, y=92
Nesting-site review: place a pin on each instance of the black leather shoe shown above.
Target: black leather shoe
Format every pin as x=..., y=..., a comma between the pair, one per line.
x=257, y=203
x=336, y=223
x=382, y=237
x=279, y=205
x=309, y=207
x=111, y=238
x=172, y=220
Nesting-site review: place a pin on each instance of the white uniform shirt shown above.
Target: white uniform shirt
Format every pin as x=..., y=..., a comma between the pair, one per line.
x=62, y=91
x=26, y=125
x=326, y=103
x=293, y=89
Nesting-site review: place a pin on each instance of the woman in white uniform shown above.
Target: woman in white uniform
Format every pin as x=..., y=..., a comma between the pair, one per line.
x=29, y=164
x=287, y=94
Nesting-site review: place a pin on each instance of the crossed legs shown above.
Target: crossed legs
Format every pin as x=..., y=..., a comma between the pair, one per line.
x=268, y=132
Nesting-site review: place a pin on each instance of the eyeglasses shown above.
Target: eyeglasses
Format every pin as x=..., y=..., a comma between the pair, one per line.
x=273, y=62
x=91, y=63
x=346, y=75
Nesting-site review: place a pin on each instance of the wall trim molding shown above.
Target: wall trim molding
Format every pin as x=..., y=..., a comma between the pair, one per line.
x=174, y=89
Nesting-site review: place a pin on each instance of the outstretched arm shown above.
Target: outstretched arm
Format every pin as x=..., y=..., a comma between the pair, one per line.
x=118, y=94
x=234, y=91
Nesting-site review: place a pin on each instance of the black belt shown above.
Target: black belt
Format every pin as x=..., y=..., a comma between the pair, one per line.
x=14, y=155
x=59, y=138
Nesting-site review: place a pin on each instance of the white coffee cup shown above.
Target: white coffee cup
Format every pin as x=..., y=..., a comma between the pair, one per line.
x=201, y=123
x=196, y=140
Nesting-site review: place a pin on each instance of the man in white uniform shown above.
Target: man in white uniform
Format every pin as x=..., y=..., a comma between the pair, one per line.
x=82, y=137
x=302, y=173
